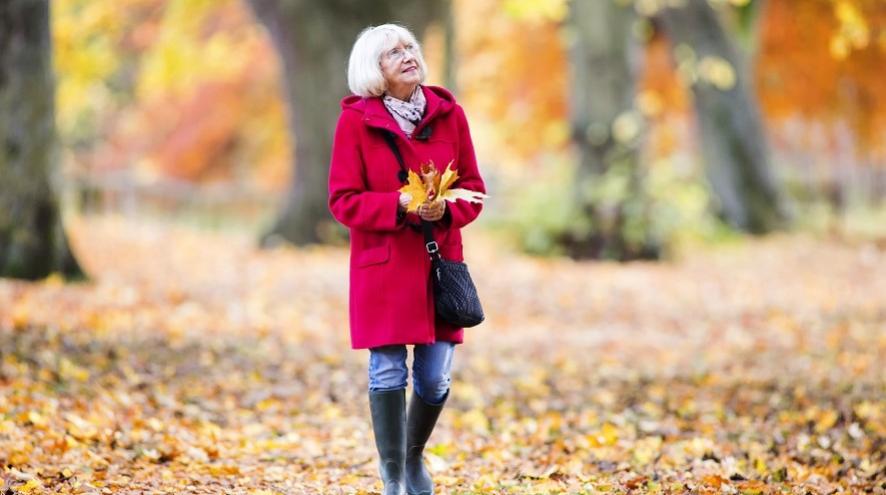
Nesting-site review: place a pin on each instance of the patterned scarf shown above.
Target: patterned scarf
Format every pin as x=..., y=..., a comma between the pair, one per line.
x=407, y=113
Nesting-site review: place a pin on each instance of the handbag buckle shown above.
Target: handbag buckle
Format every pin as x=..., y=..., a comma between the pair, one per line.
x=432, y=247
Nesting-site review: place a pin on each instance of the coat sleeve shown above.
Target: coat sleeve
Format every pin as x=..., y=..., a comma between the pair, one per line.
x=460, y=212
x=349, y=200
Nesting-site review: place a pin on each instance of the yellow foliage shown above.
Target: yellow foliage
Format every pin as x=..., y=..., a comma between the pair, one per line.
x=32, y=486
x=513, y=71
x=37, y=419
x=545, y=10
x=85, y=38
x=718, y=72
x=853, y=27
x=606, y=435
x=142, y=64
x=183, y=55
x=550, y=411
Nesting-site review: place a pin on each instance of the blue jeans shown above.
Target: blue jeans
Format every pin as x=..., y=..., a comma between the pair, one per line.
x=430, y=369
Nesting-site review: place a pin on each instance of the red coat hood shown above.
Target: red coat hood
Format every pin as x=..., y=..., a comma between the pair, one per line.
x=439, y=102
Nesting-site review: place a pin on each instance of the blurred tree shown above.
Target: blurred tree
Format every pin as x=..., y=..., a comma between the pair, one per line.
x=314, y=40
x=32, y=241
x=170, y=89
x=613, y=210
x=733, y=143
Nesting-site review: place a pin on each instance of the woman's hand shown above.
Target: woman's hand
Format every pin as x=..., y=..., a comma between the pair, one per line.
x=432, y=212
x=405, y=198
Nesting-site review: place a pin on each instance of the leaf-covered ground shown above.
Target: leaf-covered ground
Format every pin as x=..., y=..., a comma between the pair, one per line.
x=194, y=363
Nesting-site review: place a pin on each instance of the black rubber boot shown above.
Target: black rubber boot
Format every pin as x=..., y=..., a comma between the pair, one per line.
x=388, y=409
x=420, y=423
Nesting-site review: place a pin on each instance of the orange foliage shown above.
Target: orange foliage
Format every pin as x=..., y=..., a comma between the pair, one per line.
x=196, y=143
x=205, y=98
x=821, y=59
x=660, y=78
x=800, y=71
x=662, y=96
x=223, y=368
x=515, y=70
x=231, y=125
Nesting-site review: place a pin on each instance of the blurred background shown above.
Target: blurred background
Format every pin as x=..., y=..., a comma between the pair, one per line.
x=732, y=150
x=604, y=129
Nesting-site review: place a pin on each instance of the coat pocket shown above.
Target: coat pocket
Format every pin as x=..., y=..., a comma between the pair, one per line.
x=372, y=256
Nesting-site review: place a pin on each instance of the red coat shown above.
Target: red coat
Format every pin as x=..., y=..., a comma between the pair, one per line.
x=391, y=296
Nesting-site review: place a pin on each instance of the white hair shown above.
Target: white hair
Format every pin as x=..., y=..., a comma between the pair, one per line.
x=365, y=77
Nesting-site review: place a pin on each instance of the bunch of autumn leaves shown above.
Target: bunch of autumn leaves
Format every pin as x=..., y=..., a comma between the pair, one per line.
x=432, y=187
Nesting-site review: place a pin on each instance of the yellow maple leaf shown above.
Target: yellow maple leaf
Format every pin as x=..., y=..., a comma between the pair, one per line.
x=432, y=186
x=416, y=189
x=448, y=179
x=37, y=419
x=32, y=486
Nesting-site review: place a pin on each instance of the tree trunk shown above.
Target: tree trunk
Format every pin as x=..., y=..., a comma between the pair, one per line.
x=450, y=60
x=314, y=40
x=32, y=241
x=732, y=138
x=605, y=60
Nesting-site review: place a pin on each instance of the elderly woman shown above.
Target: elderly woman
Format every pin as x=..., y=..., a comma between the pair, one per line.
x=391, y=294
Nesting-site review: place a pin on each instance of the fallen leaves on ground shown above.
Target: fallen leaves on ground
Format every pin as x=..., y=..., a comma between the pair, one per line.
x=195, y=363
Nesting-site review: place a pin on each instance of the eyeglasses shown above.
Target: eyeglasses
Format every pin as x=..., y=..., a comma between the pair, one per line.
x=397, y=54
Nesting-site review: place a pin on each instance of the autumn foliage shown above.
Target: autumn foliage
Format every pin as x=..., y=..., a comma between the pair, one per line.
x=822, y=60
x=195, y=362
x=819, y=60
x=190, y=90
x=187, y=90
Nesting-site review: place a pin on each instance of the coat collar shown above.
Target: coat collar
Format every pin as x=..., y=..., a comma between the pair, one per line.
x=439, y=102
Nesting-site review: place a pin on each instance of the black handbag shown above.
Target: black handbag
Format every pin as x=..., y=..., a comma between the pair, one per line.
x=455, y=297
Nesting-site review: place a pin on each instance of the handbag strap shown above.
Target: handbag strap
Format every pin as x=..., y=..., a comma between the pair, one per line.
x=426, y=227
x=390, y=138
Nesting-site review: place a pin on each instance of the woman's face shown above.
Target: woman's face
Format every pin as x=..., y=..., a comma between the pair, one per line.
x=400, y=67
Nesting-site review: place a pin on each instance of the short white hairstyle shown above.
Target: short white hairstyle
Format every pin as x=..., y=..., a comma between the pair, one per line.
x=365, y=77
